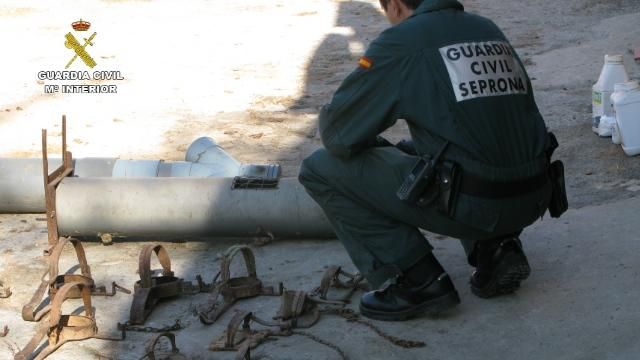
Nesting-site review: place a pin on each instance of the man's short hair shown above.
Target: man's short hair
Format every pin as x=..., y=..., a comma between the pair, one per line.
x=411, y=4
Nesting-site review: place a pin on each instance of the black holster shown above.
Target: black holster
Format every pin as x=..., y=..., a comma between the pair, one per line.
x=448, y=187
x=558, y=203
x=440, y=188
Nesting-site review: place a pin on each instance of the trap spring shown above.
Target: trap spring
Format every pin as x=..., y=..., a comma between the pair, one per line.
x=52, y=281
x=151, y=349
x=59, y=328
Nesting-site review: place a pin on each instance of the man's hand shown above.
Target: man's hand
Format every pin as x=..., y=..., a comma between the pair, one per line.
x=407, y=147
x=381, y=142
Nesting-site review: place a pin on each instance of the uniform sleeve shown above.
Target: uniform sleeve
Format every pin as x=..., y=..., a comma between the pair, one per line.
x=365, y=104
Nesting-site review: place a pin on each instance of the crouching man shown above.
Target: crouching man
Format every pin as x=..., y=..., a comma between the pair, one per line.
x=484, y=151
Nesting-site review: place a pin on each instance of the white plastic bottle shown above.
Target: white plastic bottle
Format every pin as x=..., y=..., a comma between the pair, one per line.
x=613, y=72
x=626, y=101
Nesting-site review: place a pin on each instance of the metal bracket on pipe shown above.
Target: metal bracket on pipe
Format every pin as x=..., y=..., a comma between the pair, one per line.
x=51, y=182
x=257, y=177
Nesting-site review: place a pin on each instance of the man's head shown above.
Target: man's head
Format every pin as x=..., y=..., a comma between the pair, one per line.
x=398, y=10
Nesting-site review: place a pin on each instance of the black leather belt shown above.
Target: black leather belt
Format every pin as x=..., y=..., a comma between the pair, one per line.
x=475, y=186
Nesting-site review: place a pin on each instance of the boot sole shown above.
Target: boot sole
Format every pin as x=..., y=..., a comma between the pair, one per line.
x=431, y=307
x=512, y=270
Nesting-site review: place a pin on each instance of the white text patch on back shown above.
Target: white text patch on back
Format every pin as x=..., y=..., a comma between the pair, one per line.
x=480, y=69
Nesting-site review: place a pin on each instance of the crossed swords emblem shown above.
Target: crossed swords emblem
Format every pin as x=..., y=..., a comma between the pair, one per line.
x=72, y=43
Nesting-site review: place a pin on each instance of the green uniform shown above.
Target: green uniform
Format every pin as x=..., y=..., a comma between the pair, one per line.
x=453, y=77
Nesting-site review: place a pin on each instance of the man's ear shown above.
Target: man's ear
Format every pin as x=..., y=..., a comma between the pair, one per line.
x=393, y=7
x=398, y=8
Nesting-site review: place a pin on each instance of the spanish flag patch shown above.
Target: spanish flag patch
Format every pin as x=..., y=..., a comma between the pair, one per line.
x=365, y=63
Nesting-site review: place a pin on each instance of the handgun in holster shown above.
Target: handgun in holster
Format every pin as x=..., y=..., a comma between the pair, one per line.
x=431, y=179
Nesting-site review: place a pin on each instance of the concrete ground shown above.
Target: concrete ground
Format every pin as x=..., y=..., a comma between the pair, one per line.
x=581, y=301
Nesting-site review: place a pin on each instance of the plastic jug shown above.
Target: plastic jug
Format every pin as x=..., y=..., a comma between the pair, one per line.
x=618, y=89
x=613, y=72
x=626, y=102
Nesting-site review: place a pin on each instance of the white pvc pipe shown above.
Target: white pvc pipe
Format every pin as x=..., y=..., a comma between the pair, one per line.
x=187, y=206
x=22, y=184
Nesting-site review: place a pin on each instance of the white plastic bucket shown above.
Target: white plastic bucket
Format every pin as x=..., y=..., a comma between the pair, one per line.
x=626, y=101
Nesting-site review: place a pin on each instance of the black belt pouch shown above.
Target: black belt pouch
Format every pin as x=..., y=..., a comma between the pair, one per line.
x=559, y=203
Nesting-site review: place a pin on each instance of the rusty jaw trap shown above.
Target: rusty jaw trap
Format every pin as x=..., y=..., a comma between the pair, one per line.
x=298, y=309
x=150, y=289
x=59, y=328
x=62, y=328
x=301, y=310
x=53, y=281
x=234, y=289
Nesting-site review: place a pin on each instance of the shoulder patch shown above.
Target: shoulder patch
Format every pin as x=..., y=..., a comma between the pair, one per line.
x=479, y=69
x=365, y=63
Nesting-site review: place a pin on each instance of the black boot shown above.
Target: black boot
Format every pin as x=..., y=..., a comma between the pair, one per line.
x=409, y=297
x=501, y=266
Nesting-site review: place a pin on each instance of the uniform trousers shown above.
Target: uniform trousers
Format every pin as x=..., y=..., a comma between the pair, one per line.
x=380, y=232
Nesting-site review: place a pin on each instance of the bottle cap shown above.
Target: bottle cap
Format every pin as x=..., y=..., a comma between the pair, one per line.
x=613, y=59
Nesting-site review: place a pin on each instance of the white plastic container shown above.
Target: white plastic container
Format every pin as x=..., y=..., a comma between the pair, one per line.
x=626, y=101
x=618, y=89
x=613, y=72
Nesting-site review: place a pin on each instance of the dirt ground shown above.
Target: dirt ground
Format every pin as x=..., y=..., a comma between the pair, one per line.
x=253, y=74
